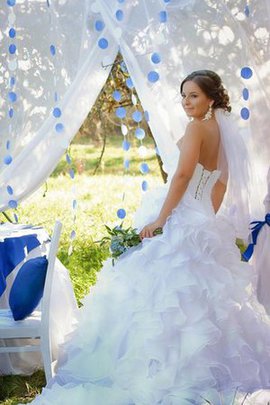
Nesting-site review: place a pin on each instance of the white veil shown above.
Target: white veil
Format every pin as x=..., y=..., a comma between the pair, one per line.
x=234, y=166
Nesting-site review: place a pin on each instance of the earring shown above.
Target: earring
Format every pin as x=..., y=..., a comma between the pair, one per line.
x=209, y=114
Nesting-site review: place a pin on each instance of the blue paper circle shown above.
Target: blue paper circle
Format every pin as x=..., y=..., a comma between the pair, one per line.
x=121, y=1
x=245, y=113
x=11, y=3
x=119, y=15
x=55, y=97
x=121, y=213
x=12, y=49
x=144, y=168
x=126, y=163
x=7, y=159
x=57, y=112
x=52, y=50
x=103, y=43
x=10, y=112
x=166, y=1
x=146, y=115
x=155, y=58
x=8, y=145
x=72, y=173
x=125, y=145
x=129, y=83
x=163, y=16
x=12, y=81
x=99, y=25
x=12, y=33
x=68, y=159
x=153, y=76
x=144, y=185
x=9, y=190
x=137, y=116
x=246, y=72
x=12, y=96
x=59, y=127
x=139, y=133
x=123, y=67
x=72, y=235
x=247, y=11
x=120, y=112
x=12, y=204
x=117, y=95
x=245, y=94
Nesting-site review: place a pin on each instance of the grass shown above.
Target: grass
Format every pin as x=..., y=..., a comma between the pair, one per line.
x=98, y=198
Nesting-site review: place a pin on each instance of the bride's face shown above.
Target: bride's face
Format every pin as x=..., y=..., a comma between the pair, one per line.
x=194, y=101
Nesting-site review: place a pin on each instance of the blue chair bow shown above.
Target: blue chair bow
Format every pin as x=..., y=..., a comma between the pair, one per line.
x=255, y=230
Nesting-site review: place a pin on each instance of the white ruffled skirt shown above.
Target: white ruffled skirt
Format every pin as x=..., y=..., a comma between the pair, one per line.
x=173, y=322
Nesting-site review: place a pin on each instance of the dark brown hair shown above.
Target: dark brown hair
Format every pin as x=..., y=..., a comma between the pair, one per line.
x=210, y=83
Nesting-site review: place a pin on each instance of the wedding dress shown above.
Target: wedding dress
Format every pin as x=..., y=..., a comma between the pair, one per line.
x=174, y=321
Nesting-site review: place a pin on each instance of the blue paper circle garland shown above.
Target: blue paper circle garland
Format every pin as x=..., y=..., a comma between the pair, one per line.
x=245, y=113
x=13, y=204
x=163, y=16
x=57, y=112
x=7, y=159
x=144, y=168
x=121, y=213
x=139, y=133
x=52, y=50
x=12, y=33
x=117, y=95
x=103, y=43
x=245, y=94
x=137, y=116
x=121, y=112
x=12, y=49
x=59, y=127
x=246, y=72
x=144, y=185
x=99, y=25
x=155, y=58
x=153, y=76
x=119, y=15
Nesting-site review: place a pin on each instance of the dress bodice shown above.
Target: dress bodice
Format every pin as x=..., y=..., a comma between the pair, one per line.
x=202, y=182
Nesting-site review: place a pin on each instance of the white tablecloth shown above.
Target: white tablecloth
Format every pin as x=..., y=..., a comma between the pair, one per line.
x=63, y=307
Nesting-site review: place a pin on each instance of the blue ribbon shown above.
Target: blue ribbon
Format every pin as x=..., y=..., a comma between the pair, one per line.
x=255, y=230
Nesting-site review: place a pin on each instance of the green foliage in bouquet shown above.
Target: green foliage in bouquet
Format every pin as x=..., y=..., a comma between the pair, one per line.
x=120, y=240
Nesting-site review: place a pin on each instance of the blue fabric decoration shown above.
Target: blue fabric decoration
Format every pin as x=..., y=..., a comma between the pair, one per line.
x=12, y=252
x=27, y=288
x=257, y=226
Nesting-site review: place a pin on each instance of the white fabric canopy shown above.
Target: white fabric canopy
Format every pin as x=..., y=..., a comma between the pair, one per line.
x=58, y=64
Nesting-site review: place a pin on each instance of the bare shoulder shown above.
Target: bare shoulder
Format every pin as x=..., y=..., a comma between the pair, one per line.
x=196, y=129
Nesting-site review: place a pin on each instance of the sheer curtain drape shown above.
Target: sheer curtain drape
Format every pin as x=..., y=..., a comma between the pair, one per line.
x=58, y=64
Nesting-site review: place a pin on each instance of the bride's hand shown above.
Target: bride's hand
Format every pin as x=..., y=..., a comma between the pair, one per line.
x=148, y=230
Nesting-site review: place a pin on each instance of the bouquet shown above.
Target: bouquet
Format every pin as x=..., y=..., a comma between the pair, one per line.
x=120, y=240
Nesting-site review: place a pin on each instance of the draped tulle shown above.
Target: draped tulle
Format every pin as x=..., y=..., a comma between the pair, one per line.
x=171, y=323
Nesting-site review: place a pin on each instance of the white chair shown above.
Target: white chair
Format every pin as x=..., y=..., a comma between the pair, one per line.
x=37, y=325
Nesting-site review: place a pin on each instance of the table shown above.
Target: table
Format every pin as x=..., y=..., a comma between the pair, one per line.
x=18, y=242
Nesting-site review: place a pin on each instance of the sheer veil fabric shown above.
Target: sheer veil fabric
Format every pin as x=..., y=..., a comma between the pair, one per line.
x=235, y=171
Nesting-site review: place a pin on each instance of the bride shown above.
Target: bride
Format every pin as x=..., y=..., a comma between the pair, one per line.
x=176, y=321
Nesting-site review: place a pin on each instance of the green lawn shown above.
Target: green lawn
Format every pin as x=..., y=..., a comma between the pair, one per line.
x=98, y=198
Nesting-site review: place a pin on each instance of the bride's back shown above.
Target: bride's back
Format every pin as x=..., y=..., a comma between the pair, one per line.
x=210, y=145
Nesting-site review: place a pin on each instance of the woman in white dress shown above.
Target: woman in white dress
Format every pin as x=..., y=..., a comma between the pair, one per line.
x=172, y=322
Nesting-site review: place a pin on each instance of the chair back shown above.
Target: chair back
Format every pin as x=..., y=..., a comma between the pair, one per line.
x=46, y=299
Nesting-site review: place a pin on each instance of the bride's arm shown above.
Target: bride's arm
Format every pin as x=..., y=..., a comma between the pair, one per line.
x=190, y=152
